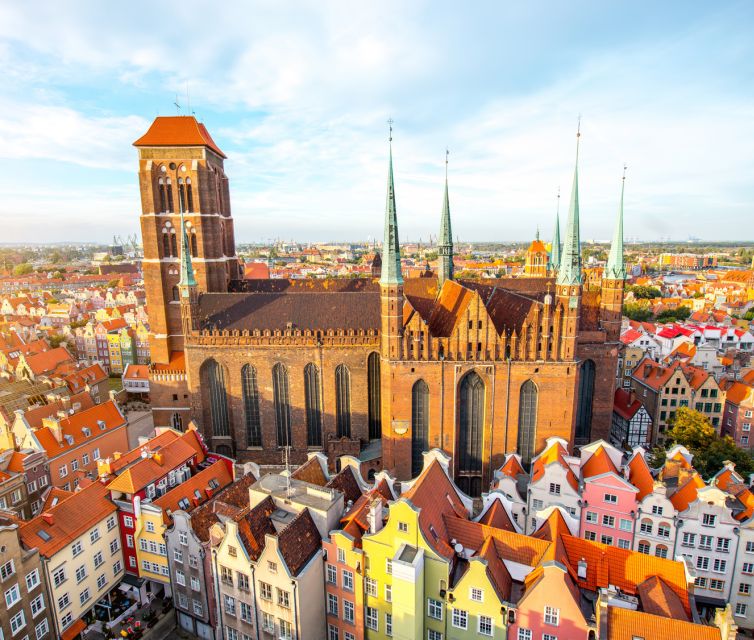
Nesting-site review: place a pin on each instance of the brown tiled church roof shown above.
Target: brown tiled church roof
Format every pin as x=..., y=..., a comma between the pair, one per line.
x=346, y=482
x=255, y=525
x=313, y=311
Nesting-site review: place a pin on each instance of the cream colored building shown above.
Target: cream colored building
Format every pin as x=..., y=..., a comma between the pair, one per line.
x=79, y=542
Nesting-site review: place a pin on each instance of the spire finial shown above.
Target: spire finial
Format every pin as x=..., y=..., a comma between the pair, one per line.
x=569, y=272
x=445, y=241
x=390, y=125
x=447, y=153
x=391, y=258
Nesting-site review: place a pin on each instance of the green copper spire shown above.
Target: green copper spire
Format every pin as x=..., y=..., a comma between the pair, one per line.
x=445, y=244
x=616, y=268
x=187, y=269
x=569, y=272
x=391, y=251
x=555, y=248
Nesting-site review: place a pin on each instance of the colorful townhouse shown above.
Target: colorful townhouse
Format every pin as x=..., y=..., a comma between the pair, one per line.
x=553, y=482
x=344, y=587
x=742, y=509
x=739, y=414
x=92, y=380
x=148, y=472
x=79, y=543
x=105, y=333
x=191, y=558
x=74, y=442
x=631, y=424
x=511, y=481
x=32, y=466
x=655, y=530
x=23, y=581
x=609, y=501
x=151, y=518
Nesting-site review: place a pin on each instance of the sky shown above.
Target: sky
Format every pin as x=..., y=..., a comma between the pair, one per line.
x=297, y=94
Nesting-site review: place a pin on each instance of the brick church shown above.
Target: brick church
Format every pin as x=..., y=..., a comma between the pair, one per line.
x=476, y=367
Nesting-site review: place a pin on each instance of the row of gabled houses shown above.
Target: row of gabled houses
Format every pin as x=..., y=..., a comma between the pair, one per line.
x=595, y=546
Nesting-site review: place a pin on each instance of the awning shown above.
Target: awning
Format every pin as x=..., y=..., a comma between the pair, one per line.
x=74, y=630
x=718, y=603
x=133, y=581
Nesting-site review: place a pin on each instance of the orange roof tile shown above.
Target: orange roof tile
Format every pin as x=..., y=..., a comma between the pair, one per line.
x=555, y=453
x=658, y=598
x=136, y=372
x=496, y=570
x=72, y=428
x=496, y=516
x=48, y=361
x=738, y=393
x=160, y=462
x=606, y=565
x=178, y=131
x=218, y=472
x=552, y=528
x=311, y=471
x=512, y=467
x=597, y=464
x=161, y=440
x=509, y=545
x=435, y=495
x=624, y=624
x=69, y=519
x=686, y=494
x=640, y=475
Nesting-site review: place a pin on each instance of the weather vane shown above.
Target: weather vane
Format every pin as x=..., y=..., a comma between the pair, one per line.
x=447, y=153
x=390, y=124
x=625, y=166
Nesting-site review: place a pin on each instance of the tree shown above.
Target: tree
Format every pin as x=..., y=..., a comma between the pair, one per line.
x=113, y=283
x=673, y=315
x=695, y=432
x=642, y=292
x=22, y=269
x=638, y=312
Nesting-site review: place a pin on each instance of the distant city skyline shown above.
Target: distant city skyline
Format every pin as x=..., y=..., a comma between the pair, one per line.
x=299, y=104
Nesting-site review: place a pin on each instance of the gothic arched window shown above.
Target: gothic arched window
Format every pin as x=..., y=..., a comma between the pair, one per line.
x=165, y=244
x=213, y=376
x=250, y=393
x=471, y=424
x=163, y=200
x=343, y=401
x=373, y=396
x=527, y=421
x=190, y=196
x=173, y=244
x=169, y=188
x=176, y=296
x=585, y=400
x=194, y=247
x=419, y=425
x=312, y=394
x=181, y=195
x=282, y=404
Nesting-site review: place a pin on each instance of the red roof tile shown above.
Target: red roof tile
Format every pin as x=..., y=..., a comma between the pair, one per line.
x=178, y=131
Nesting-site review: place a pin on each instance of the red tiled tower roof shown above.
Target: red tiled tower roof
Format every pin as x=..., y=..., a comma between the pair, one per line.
x=178, y=131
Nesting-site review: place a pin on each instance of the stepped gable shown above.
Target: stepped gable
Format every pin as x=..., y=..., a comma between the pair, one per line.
x=345, y=482
x=437, y=500
x=255, y=525
x=299, y=541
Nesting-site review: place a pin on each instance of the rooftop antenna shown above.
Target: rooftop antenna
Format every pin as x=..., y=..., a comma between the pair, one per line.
x=287, y=455
x=177, y=105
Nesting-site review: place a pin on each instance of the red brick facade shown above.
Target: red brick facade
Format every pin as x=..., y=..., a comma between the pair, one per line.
x=507, y=331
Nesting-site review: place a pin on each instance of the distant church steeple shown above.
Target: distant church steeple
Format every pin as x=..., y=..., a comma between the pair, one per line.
x=569, y=273
x=555, y=249
x=616, y=267
x=445, y=244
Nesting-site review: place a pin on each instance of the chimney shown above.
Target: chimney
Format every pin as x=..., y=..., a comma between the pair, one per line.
x=158, y=458
x=581, y=571
x=53, y=424
x=65, y=402
x=48, y=518
x=374, y=516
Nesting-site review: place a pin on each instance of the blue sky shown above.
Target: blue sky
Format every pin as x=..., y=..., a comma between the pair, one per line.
x=297, y=94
